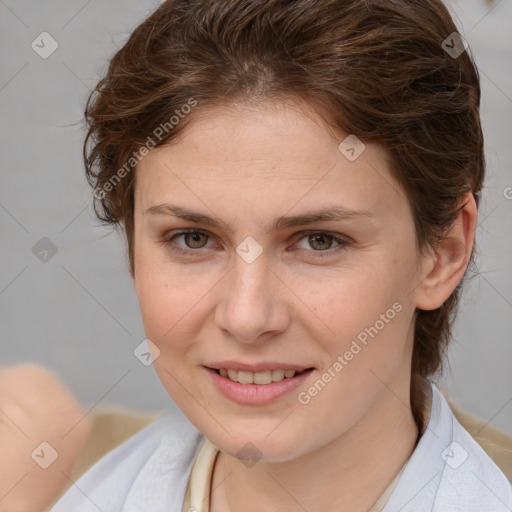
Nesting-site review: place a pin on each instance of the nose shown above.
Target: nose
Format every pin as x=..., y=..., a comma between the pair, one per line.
x=253, y=305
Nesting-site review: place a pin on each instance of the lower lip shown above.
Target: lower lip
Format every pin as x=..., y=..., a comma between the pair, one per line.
x=257, y=394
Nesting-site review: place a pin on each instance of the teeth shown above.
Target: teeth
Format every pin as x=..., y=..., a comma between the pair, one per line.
x=262, y=377
x=265, y=377
x=277, y=375
x=245, y=377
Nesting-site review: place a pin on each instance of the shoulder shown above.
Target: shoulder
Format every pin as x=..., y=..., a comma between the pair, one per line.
x=148, y=471
x=496, y=443
x=470, y=478
x=449, y=471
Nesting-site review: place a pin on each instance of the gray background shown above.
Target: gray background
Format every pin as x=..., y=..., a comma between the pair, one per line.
x=77, y=313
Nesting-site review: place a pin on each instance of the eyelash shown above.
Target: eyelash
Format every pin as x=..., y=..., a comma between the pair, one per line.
x=343, y=243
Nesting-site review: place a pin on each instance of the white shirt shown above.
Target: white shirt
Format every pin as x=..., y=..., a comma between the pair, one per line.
x=447, y=472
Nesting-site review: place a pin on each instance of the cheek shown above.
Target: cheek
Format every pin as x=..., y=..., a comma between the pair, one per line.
x=362, y=316
x=348, y=301
x=163, y=303
x=170, y=301
x=366, y=345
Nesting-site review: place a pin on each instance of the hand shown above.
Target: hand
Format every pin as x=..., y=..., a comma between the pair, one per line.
x=35, y=407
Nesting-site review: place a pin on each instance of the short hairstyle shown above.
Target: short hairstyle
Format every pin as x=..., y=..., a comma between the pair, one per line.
x=379, y=68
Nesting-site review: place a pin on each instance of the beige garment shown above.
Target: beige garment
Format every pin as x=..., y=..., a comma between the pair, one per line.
x=197, y=495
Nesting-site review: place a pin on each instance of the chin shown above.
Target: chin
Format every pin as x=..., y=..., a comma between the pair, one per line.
x=257, y=446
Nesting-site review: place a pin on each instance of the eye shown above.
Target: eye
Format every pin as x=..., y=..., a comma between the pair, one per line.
x=193, y=239
x=321, y=242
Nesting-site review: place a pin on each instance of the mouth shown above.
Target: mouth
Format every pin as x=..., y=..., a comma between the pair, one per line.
x=270, y=383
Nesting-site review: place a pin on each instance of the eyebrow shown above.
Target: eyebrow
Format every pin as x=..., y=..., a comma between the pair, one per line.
x=334, y=213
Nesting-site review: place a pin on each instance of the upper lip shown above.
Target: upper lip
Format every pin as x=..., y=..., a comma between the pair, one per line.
x=257, y=367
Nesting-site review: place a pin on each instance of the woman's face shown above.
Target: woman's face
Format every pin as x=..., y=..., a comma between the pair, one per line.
x=262, y=282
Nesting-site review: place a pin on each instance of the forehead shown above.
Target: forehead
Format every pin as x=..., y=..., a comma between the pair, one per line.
x=273, y=153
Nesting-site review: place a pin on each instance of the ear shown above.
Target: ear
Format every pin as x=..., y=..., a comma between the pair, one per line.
x=444, y=267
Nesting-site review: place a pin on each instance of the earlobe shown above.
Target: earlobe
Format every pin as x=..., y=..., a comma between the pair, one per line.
x=449, y=259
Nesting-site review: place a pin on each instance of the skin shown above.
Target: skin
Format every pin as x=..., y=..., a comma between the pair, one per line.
x=248, y=165
x=36, y=407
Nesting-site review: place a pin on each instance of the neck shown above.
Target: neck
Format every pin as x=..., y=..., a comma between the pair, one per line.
x=349, y=473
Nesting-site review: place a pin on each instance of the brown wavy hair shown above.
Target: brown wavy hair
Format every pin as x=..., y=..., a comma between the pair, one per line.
x=377, y=67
